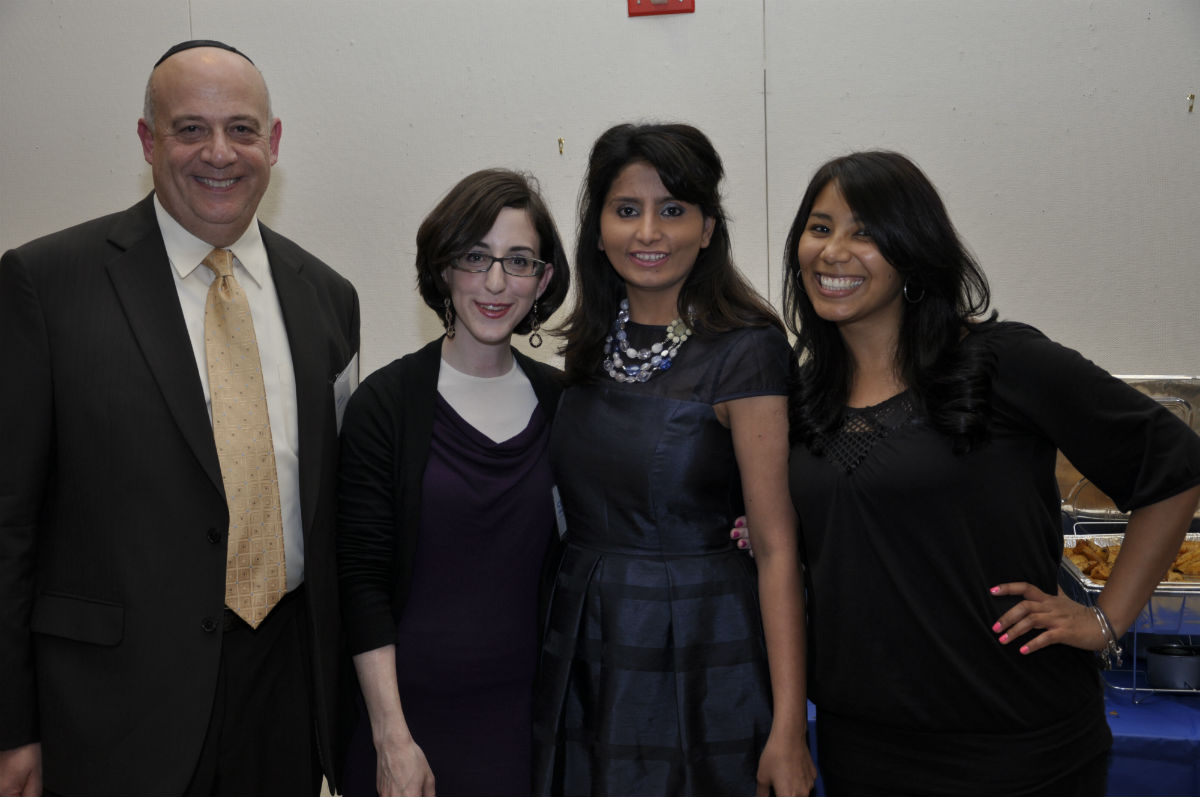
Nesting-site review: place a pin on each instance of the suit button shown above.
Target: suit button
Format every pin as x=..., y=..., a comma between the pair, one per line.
x=214, y=536
x=208, y=625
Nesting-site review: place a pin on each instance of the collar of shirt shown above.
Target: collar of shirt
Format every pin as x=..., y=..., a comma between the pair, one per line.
x=186, y=252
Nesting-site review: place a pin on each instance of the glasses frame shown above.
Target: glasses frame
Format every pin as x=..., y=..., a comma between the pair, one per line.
x=539, y=270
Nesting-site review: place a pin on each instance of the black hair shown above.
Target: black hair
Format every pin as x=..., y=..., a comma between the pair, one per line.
x=717, y=295
x=908, y=222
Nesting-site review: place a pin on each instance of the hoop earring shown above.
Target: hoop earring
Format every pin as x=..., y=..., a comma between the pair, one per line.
x=535, y=339
x=448, y=317
x=908, y=298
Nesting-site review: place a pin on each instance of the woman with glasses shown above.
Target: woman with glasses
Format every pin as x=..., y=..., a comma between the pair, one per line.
x=944, y=657
x=655, y=677
x=446, y=512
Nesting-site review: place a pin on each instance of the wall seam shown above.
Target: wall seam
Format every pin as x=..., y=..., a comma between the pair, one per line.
x=766, y=163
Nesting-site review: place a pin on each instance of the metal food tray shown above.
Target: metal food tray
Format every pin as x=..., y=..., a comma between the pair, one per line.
x=1174, y=608
x=1081, y=499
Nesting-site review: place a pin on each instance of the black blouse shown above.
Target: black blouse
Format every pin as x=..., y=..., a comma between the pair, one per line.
x=902, y=539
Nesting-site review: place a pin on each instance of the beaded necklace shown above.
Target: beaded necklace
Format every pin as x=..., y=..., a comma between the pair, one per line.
x=650, y=360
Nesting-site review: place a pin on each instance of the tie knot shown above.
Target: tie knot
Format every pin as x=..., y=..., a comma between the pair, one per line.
x=220, y=262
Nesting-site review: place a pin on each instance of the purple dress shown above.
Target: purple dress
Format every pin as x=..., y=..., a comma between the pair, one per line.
x=466, y=644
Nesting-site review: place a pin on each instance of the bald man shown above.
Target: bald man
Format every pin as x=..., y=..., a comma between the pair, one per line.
x=122, y=669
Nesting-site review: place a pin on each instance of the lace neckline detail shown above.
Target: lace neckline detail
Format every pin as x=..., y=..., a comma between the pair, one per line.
x=863, y=428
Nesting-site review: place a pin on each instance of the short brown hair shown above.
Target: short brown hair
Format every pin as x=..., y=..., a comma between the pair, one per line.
x=466, y=214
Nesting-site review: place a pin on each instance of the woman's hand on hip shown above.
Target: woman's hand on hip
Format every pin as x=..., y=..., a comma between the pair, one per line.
x=1061, y=620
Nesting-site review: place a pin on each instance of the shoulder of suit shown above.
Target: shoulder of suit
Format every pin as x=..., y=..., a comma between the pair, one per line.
x=314, y=267
x=85, y=237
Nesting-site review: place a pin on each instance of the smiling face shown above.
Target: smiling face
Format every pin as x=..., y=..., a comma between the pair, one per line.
x=488, y=305
x=652, y=241
x=213, y=142
x=846, y=278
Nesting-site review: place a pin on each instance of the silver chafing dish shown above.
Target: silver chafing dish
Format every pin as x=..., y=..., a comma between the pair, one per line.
x=1173, y=612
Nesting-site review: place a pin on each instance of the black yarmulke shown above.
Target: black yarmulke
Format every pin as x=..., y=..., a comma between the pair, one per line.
x=188, y=45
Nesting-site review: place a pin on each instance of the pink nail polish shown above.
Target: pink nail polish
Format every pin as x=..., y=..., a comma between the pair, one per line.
x=996, y=628
x=1004, y=637
x=994, y=590
x=1025, y=649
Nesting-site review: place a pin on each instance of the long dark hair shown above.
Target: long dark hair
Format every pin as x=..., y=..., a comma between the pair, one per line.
x=466, y=214
x=718, y=295
x=908, y=222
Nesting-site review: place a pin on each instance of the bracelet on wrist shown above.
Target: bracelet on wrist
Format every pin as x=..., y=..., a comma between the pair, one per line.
x=1111, y=652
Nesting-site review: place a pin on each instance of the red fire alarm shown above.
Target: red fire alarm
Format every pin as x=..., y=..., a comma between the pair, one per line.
x=645, y=8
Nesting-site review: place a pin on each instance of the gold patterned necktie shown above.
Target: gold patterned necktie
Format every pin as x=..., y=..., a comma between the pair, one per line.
x=255, y=571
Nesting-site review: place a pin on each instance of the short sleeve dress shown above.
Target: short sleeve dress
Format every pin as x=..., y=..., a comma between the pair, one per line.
x=654, y=671
x=902, y=538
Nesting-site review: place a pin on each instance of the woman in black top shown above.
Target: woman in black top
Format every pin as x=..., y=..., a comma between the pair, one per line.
x=944, y=659
x=445, y=507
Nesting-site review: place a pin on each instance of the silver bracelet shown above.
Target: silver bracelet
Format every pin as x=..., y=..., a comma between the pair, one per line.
x=1111, y=651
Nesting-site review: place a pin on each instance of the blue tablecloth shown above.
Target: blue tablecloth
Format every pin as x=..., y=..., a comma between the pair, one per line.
x=1156, y=744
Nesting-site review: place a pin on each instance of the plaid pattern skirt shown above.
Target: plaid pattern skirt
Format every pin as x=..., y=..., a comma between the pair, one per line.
x=654, y=676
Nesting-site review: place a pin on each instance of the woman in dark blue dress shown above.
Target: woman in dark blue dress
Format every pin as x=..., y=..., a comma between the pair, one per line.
x=655, y=666
x=446, y=512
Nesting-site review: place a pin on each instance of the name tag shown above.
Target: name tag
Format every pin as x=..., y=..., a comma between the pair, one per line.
x=560, y=517
x=344, y=384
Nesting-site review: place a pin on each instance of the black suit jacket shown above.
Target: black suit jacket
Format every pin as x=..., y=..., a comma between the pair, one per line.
x=112, y=512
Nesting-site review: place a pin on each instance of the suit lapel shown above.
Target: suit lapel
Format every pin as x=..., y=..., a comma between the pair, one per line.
x=141, y=277
x=301, y=318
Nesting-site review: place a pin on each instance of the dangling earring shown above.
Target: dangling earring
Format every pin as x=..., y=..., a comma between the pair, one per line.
x=908, y=298
x=448, y=318
x=535, y=339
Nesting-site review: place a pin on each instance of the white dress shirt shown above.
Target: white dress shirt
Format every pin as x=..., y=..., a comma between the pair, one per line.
x=253, y=273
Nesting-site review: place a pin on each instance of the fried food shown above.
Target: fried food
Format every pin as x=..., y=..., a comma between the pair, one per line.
x=1091, y=550
x=1081, y=561
x=1188, y=563
x=1096, y=561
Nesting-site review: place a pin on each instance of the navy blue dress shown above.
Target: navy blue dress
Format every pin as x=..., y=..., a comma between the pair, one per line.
x=654, y=666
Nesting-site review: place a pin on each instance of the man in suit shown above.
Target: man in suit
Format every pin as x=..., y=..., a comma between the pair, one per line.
x=122, y=670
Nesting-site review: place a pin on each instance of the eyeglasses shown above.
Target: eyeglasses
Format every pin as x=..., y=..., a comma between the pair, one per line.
x=516, y=265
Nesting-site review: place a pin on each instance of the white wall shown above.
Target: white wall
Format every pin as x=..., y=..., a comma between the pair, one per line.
x=1058, y=132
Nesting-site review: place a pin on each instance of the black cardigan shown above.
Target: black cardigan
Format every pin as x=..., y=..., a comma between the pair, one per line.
x=396, y=404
